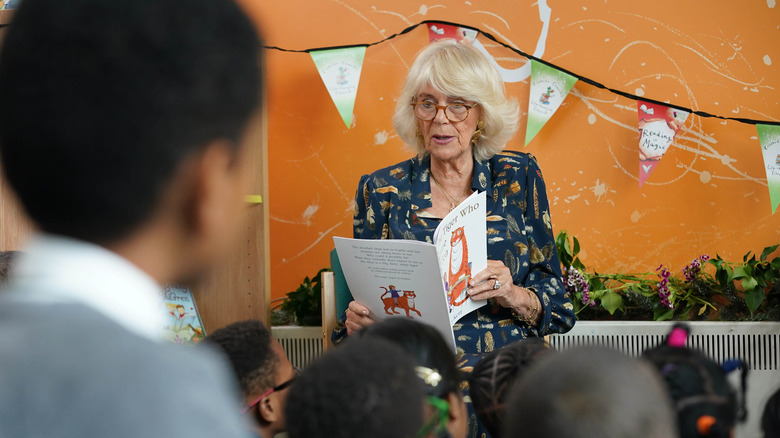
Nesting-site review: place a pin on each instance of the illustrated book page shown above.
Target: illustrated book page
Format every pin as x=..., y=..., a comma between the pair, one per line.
x=420, y=280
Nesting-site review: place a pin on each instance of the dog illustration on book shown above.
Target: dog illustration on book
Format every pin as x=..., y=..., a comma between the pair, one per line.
x=460, y=269
x=396, y=300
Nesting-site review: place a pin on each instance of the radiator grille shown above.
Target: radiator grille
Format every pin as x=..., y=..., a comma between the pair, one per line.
x=759, y=350
x=756, y=343
x=302, y=344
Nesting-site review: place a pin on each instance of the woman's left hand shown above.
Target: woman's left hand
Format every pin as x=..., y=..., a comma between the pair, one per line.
x=483, y=285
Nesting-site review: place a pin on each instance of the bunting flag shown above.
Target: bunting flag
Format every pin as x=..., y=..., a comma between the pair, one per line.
x=443, y=31
x=658, y=125
x=549, y=87
x=340, y=71
x=769, y=137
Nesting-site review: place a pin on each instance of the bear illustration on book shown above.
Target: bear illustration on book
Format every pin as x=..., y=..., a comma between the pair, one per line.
x=397, y=300
x=460, y=269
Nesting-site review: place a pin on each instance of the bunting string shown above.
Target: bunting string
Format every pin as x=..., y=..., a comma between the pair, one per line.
x=534, y=58
x=489, y=36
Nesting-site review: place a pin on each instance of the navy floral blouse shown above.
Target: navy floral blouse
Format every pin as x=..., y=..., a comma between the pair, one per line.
x=519, y=232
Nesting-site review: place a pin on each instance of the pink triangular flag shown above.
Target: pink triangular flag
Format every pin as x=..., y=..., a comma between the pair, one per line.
x=444, y=31
x=658, y=124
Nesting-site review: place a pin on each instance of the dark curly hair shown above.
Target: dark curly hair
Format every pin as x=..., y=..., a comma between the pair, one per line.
x=7, y=259
x=770, y=420
x=705, y=401
x=102, y=100
x=247, y=345
x=426, y=346
x=493, y=377
x=363, y=388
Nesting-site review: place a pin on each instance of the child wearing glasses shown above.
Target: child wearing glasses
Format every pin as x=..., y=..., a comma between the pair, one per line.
x=263, y=370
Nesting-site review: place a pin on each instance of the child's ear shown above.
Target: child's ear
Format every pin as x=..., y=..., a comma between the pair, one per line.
x=458, y=422
x=269, y=411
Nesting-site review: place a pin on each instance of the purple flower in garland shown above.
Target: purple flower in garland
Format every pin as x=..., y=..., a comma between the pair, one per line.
x=663, y=287
x=692, y=270
x=575, y=282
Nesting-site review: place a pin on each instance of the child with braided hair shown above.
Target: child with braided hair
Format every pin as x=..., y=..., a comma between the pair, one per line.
x=705, y=402
x=492, y=378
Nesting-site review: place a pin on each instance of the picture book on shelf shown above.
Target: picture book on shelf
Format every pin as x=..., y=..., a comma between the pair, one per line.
x=182, y=320
x=421, y=280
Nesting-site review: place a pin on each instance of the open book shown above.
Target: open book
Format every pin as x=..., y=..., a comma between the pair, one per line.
x=421, y=280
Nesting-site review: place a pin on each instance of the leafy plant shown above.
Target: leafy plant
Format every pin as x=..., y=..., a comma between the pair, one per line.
x=755, y=276
x=304, y=304
x=736, y=291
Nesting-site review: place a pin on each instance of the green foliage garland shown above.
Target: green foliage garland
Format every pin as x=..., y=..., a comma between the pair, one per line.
x=749, y=290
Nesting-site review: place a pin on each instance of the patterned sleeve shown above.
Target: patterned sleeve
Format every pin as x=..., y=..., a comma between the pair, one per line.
x=365, y=225
x=544, y=272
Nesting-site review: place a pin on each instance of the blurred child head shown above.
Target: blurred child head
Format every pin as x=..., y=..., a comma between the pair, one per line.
x=7, y=259
x=435, y=363
x=770, y=420
x=589, y=392
x=705, y=402
x=124, y=124
x=363, y=388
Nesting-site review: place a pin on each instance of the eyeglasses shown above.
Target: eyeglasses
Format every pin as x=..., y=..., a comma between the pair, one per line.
x=277, y=388
x=455, y=111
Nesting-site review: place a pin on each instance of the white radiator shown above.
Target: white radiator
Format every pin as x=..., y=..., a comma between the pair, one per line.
x=756, y=343
x=302, y=344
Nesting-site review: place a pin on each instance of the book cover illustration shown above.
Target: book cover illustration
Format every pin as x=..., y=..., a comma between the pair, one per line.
x=461, y=243
x=9, y=4
x=456, y=279
x=182, y=319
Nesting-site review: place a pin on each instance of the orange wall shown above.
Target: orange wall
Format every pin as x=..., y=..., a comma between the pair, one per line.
x=708, y=195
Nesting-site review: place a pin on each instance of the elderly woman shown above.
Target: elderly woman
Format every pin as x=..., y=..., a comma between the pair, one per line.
x=454, y=113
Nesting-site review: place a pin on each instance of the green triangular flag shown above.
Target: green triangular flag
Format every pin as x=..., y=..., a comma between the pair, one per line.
x=340, y=71
x=549, y=88
x=769, y=137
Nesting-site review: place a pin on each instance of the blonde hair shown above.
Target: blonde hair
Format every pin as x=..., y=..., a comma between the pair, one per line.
x=459, y=70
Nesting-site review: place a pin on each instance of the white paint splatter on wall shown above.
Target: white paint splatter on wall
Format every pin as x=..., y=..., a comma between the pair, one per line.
x=381, y=137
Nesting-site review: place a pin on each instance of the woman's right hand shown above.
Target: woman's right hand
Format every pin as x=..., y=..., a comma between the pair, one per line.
x=357, y=317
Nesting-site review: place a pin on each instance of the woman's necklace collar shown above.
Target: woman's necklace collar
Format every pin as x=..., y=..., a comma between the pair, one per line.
x=453, y=202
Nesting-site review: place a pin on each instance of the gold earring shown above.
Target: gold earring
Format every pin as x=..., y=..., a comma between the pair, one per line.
x=478, y=132
x=420, y=137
